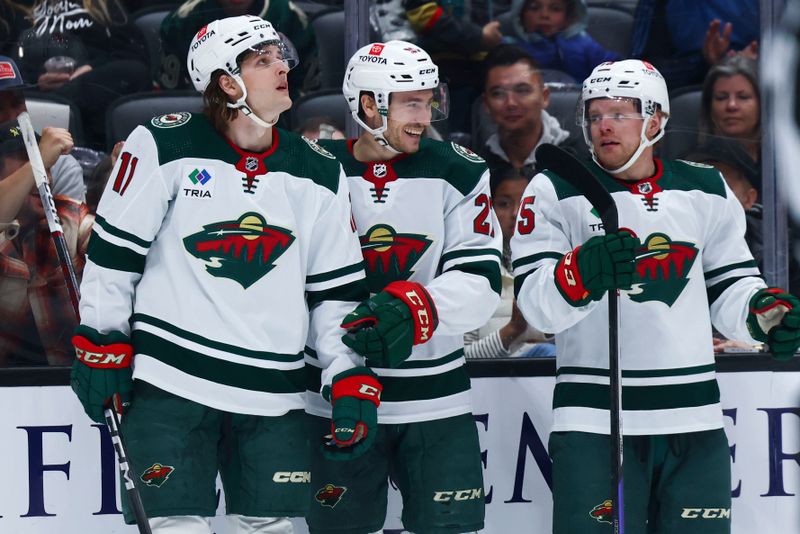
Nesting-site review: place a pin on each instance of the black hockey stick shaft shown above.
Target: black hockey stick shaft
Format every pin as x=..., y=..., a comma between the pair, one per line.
x=570, y=169
x=57, y=234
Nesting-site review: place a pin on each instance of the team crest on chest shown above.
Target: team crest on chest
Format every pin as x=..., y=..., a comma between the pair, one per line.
x=171, y=120
x=391, y=256
x=243, y=250
x=662, y=269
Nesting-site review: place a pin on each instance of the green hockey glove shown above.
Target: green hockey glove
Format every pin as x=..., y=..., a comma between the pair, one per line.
x=774, y=318
x=385, y=327
x=101, y=373
x=601, y=264
x=355, y=396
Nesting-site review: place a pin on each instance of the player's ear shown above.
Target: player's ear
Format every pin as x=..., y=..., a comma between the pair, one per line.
x=369, y=107
x=230, y=87
x=654, y=125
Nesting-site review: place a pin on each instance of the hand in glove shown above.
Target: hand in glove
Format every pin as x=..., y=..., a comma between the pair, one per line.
x=101, y=373
x=355, y=395
x=774, y=318
x=384, y=328
x=603, y=263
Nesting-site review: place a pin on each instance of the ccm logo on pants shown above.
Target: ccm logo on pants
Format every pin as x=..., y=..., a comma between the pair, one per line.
x=458, y=495
x=282, y=477
x=706, y=513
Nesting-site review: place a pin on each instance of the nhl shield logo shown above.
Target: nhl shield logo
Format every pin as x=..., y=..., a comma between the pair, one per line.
x=251, y=163
x=330, y=495
x=645, y=188
x=379, y=170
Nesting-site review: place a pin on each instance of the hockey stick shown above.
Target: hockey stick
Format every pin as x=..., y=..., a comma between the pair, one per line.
x=57, y=234
x=567, y=167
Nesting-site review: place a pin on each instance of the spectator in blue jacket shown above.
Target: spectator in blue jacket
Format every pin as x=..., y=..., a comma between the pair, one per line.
x=554, y=33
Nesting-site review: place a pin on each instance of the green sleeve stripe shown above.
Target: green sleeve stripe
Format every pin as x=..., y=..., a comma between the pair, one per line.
x=469, y=253
x=410, y=388
x=666, y=397
x=750, y=264
x=111, y=256
x=311, y=352
x=352, y=292
x=116, y=232
x=336, y=273
x=425, y=364
x=488, y=269
x=534, y=258
x=211, y=344
x=681, y=371
x=519, y=280
x=715, y=291
x=220, y=371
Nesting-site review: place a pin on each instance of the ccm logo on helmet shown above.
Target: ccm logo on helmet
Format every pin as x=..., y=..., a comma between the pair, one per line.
x=706, y=513
x=202, y=37
x=427, y=71
x=599, y=80
x=260, y=26
x=295, y=477
x=372, y=59
x=458, y=495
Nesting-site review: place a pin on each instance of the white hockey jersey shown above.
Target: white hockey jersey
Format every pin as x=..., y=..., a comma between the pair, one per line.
x=212, y=256
x=693, y=257
x=427, y=218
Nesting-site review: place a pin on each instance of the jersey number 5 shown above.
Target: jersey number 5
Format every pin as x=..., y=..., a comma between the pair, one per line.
x=127, y=167
x=526, y=221
x=481, y=224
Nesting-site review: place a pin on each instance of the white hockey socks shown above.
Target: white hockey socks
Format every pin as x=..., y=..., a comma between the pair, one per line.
x=241, y=524
x=180, y=524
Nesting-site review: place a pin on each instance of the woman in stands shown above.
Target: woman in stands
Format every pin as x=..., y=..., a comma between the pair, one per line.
x=731, y=104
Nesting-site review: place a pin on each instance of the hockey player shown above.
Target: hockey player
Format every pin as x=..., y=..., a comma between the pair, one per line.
x=216, y=235
x=682, y=254
x=431, y=245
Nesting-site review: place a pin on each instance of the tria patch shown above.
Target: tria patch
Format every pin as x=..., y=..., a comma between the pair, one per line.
x=318, y=149
x=390, y=256
x=198, y=183
x=155, y=475
x=466, y=153
x=171, y=120
x=603, y=513
x=662, y=268
x=379, y=174
x=330, y=495
x=243, y=250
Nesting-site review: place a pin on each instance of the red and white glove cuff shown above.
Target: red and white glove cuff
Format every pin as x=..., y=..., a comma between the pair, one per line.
x=113, y=356
x=363, y=387
x=569, y=279
x=423, y=310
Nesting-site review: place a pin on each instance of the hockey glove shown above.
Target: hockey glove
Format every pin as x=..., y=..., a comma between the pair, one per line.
x=774, y=318
x=355, y=396
x=383, y=328
x=101, y=370
x=601, y=264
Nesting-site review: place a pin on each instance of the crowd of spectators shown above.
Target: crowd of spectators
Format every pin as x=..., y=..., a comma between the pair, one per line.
x=501, y=59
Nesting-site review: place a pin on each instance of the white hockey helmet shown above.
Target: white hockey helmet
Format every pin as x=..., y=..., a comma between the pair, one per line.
x=628, y=79
x=219, y=44
x=391, y=67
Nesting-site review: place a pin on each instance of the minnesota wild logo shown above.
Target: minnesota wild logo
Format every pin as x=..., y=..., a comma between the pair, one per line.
x=390, y=256
x=662, y=266
x=156, y=475
x=602, y=513
x=330, y=495
x=243, y=250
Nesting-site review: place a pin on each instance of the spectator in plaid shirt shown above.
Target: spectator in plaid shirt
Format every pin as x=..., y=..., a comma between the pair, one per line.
x=38, y=318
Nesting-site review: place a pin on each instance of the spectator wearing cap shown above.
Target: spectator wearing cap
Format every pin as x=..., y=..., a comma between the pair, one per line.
x=67, y=172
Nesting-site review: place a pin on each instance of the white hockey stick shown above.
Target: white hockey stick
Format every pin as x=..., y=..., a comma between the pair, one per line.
x=57, y=233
